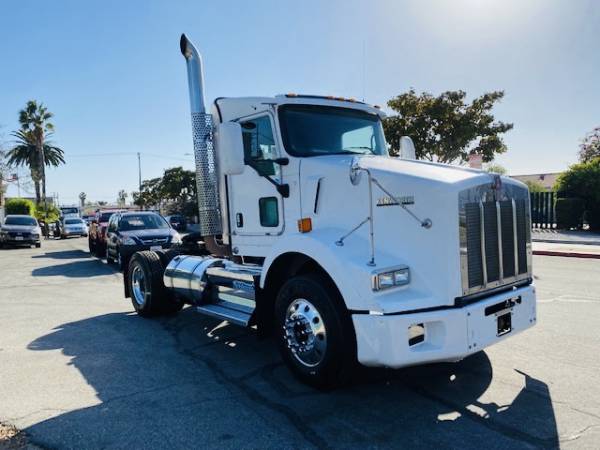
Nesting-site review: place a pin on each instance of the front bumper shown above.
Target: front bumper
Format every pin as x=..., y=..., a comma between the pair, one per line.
x=74, y=233
x=450, y=334
x=27, y=240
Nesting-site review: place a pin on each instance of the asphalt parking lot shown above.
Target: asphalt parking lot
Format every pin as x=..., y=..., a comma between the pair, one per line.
x=79, y=370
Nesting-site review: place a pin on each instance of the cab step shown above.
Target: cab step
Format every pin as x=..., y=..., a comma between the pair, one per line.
x=220, y=311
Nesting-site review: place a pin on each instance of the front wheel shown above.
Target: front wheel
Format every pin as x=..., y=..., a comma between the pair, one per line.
x=315, y=333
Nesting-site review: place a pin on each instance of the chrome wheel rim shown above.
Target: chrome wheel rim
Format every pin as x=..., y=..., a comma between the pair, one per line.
x=138, y=285
x=305, y=333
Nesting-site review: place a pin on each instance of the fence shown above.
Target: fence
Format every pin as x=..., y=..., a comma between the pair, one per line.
x=543, y=214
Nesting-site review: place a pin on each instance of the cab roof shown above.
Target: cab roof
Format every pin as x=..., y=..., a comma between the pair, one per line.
x=227, y=109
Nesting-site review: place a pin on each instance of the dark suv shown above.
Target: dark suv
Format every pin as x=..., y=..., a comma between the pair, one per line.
x=132, y=232
x=177, y=221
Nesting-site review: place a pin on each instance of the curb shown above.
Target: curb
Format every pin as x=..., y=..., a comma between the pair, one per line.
x=567, y=254
x=554, y=241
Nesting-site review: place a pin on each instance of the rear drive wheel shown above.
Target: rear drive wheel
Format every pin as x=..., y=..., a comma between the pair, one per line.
x=315, y=334
x=38, y=244
x=149, y=295
x=92, y=247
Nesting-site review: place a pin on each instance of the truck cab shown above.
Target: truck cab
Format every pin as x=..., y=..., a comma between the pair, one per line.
x=313, y=232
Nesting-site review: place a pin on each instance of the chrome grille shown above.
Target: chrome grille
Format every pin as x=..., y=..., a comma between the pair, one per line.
x=495, y=236
x=154, y=241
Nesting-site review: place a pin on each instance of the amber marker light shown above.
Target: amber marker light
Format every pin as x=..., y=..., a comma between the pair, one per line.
x=304, y=225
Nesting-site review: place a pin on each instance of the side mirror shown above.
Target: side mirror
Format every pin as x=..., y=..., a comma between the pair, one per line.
x=230, y=148
x=407, y=148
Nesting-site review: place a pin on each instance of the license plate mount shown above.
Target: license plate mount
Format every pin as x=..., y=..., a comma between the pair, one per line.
x=504, y=323
x=18, y=238
x=155, y=248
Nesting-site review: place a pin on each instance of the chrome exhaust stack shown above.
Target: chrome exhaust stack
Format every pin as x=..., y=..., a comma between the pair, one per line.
x=209, y=212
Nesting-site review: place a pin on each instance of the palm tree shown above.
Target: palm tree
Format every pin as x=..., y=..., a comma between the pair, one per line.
x=82, y=197
x=26, y=153
x=34, y=148
x=122, y=197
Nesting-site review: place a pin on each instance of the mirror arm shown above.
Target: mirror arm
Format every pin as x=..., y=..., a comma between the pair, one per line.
x=283, y=189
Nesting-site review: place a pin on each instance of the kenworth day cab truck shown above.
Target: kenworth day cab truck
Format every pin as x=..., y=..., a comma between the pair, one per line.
x=312, y=232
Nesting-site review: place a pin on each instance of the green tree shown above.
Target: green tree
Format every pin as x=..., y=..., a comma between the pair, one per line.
x=20, y=206
x=176, y=188
x=535, y=186
x=446, y=128
x=33, y=146
x=590, y=146
x=496, y=168
x=583, y=181
x=49, y=214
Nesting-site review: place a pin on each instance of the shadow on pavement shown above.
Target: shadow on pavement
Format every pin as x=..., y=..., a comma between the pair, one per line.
x=64, y=254
x=192, y=382
x=75, y=269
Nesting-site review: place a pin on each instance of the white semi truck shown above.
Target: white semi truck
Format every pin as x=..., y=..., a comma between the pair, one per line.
x=312, y=232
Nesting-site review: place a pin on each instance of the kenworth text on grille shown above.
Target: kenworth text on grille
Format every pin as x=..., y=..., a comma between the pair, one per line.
x=311, y=232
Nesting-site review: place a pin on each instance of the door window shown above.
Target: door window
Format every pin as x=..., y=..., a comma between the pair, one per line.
x=259, y=145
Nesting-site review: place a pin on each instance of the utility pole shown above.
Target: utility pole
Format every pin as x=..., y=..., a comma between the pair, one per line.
x=139, y=171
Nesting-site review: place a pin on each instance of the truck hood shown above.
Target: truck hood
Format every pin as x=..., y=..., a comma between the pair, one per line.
x=428, y=191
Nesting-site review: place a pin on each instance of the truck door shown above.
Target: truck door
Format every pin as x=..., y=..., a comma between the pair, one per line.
x=256, y=208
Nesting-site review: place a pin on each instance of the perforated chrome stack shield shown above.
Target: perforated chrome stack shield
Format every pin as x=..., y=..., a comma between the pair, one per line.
x=209, y=213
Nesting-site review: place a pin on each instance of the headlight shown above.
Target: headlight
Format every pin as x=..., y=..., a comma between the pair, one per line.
x=129, y=241
x=176, y=239
x=388, y=278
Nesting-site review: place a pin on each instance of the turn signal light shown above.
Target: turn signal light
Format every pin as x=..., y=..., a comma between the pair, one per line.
x=304, y=225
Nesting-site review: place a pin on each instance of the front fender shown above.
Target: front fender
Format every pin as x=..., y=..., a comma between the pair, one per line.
x=346, y=265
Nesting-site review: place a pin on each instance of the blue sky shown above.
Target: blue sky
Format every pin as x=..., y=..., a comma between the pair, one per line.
x=112, y=73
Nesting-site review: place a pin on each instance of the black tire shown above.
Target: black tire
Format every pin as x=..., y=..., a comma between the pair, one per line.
x=157, y=299
x=339, y=356
x=167, y=255
x=38, y=244
x=92, y=247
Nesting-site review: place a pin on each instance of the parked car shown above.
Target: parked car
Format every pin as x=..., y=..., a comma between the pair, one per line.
x=88, y=219
x=131, y=232
x=97, y=232
x=73, y=227
x=177, y=221
x=19, y=230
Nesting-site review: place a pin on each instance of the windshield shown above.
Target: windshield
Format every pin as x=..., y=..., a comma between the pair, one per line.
x=27, y=221
x=142, y=222
x=73, y=222
x=313, y=130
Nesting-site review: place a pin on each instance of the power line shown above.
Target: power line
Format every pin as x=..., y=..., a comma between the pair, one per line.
x=152, y=155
